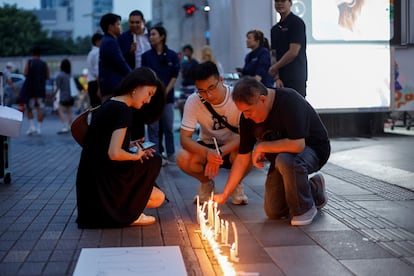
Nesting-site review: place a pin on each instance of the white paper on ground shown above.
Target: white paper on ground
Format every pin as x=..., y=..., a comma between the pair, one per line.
x=153, y=260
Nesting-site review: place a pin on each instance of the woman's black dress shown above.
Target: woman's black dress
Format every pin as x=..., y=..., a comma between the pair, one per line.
x=111, y=193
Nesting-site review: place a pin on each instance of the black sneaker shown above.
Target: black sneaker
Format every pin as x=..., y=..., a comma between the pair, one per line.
x=318, y=190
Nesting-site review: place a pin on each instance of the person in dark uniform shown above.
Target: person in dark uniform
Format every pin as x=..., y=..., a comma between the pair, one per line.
x=288, y=41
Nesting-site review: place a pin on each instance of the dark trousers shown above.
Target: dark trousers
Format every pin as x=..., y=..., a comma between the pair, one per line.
x=298, y=85
x=93, y=93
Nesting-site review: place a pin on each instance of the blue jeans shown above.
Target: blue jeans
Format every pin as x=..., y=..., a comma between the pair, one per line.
x=167, y=121
x=287, y=188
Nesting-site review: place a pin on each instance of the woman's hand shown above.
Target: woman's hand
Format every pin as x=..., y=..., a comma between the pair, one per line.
x=136, y=143
x=145, y=154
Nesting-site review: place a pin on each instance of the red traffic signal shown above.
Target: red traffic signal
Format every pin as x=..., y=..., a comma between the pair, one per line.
x=189, y=9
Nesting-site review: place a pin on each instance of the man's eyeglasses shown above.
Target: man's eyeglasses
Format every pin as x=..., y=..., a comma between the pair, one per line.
x=207, y=91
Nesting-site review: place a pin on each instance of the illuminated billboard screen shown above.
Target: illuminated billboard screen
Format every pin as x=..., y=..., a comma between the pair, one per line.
x=348, y=53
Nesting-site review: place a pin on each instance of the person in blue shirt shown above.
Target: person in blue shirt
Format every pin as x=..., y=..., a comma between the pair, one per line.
x=257, y=62
x=112, y=65
x=187, y=82
x=166, y=64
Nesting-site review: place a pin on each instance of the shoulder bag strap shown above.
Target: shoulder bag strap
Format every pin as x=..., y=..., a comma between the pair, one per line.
x=217, y=116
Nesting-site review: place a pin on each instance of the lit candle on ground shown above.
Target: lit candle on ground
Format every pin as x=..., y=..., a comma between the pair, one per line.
x=236, y=239
x=203, y=226
x=204, y=207
x=214, y=217
x=210, y=214
x=198, y=209
x=216, y=224
x=226, y=237
x=233, y=254
x=222, y=228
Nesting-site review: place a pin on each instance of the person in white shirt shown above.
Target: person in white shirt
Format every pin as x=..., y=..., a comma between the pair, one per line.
x=201, y=159
x=93, y=70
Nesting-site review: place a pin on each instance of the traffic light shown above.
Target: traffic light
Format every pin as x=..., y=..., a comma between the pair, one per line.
x=189, y=9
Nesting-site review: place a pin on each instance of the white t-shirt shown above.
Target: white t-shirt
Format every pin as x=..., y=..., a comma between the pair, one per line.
x=143, y=45
x=195, y=112
x=93, y=64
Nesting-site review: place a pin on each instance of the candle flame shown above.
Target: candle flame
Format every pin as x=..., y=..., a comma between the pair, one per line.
x=209, y=231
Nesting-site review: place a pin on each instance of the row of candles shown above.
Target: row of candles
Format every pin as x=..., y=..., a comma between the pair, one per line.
x=211, y=227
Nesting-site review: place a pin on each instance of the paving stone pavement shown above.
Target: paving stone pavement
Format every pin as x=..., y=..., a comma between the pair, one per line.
x=367, y=227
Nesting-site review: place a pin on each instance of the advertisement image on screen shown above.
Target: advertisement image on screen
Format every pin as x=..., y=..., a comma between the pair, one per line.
x=348, y=53
x=351, y=20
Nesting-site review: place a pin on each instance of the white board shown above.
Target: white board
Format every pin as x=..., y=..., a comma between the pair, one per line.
x=154, y=261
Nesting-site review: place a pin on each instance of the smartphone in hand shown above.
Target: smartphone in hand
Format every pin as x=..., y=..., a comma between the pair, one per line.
x=146, y=145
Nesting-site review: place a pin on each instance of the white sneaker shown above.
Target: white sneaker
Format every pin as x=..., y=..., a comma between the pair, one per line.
x=38, y=131
x=204, y=191
x=164, y=162
x=31, y=131
x=63, y=130
x=305, y=218
x=144, y=220
x=238, y=196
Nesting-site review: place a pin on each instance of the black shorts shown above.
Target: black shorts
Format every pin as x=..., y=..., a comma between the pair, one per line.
x=68, y=103
x=226, y=158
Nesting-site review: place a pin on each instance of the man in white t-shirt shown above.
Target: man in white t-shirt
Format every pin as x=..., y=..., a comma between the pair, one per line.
x=202, y=159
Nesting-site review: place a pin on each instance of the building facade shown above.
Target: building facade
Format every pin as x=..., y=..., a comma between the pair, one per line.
x=72, y=18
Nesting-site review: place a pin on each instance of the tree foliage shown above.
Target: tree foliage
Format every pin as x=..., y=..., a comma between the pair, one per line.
x=20, y=31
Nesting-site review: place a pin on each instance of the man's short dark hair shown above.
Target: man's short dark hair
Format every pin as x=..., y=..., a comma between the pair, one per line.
x=247, y=89
x=205, y=70
x=108, y=19
x=188, y=47
x=137, y=13
x=96, y=37
x=36, y=51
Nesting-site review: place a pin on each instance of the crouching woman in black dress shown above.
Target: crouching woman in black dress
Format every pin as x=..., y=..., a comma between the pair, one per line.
x=113, y=184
